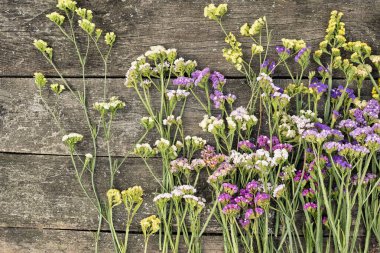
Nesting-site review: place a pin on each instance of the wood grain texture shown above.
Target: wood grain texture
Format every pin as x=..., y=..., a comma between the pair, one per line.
x=42, y=191
x=24, y=240
x=180, y=24
x=28, y=127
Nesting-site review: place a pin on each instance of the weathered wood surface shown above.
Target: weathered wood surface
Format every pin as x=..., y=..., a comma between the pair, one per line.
x=26, y=240
x=42, y=191
x=27, y=127
x=181, y=24
x=43, y=208
x=22, y=240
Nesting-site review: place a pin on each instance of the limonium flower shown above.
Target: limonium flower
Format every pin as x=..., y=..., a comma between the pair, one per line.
x=253, y=186
x=39, y=80
x=231, y=210
x=372, y=141
x=114, y=197
x=183, y=81
x=217, y=80
x=361, y=133
x=215, y=13
x=241, y=201
x=255, y=213
x=246, y=145
x=244, y=223
x=279, y=191
x=150, y=225
x=230, y=188
x=186, y=189
x=309, y=193
x=72, y=138
x=262, y=199
x=337, y=92
x=311, y=207
x=341, y=163
x=224, y=198
x=200, y=76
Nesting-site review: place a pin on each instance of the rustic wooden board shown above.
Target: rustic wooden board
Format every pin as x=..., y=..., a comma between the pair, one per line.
x=181, y=24
x=41, y=191
x=22, y=240
x=27, y=127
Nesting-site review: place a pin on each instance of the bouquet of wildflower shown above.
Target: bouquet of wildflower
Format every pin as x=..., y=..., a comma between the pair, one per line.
x=324, y=168
x=76, y=23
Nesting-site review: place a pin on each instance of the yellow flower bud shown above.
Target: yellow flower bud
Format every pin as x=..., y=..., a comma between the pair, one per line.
x=335, y=51
x=318, y=53
x=257, y=49
x=244, y=29
x=110, y=38
x=39, y=80
x=56, y=18
x=114, y=197
x=57, y=88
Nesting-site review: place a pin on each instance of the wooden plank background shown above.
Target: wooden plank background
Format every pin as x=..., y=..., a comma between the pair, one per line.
x=42, y=209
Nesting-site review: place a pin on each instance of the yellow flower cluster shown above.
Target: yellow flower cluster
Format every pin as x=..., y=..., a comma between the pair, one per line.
x=234, y=53
x=256, y=27
x=57, y=88
x=87, y=26
x=114, y=197
x=110, y=38
x=67, y=5
x=150, y=225
x=335, y=28
x=360, y=50
x=257, y=49
x=39, y=80
x=215, y=13
x=84, y=13
x=132, y=195
x=375, y=59
x=295, y=45
x=375, y=94
x=56, y=18
x=42, y=46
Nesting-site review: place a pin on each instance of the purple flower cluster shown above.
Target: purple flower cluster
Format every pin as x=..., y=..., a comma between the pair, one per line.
x=341, y=163
x=301, y=54
x=246, y=145
x=318, y=86
x=200, y=76
x=282, y=50
x=217, y=80
x=218, y=98
x=372, y=109
x=337, y=92
x=310, y=207
x=183, y=81
x=309, y=193
x=245, y=204
x=268, y=64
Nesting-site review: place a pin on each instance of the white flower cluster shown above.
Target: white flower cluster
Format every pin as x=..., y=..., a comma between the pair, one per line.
x=170, y=120
x=113, y=105
x=279, y=191
x=177, y=94
x=159, y=52
x=211, y=124
x=186, y=189
x=181, y=66
x=280, y=155
x=144, y=150
x=72, y=138
x=147, y=122
x=287, y=127
x=242, y=118
x=305, y=121
x=194, y=143
x=242, y=160
x=162, y=144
